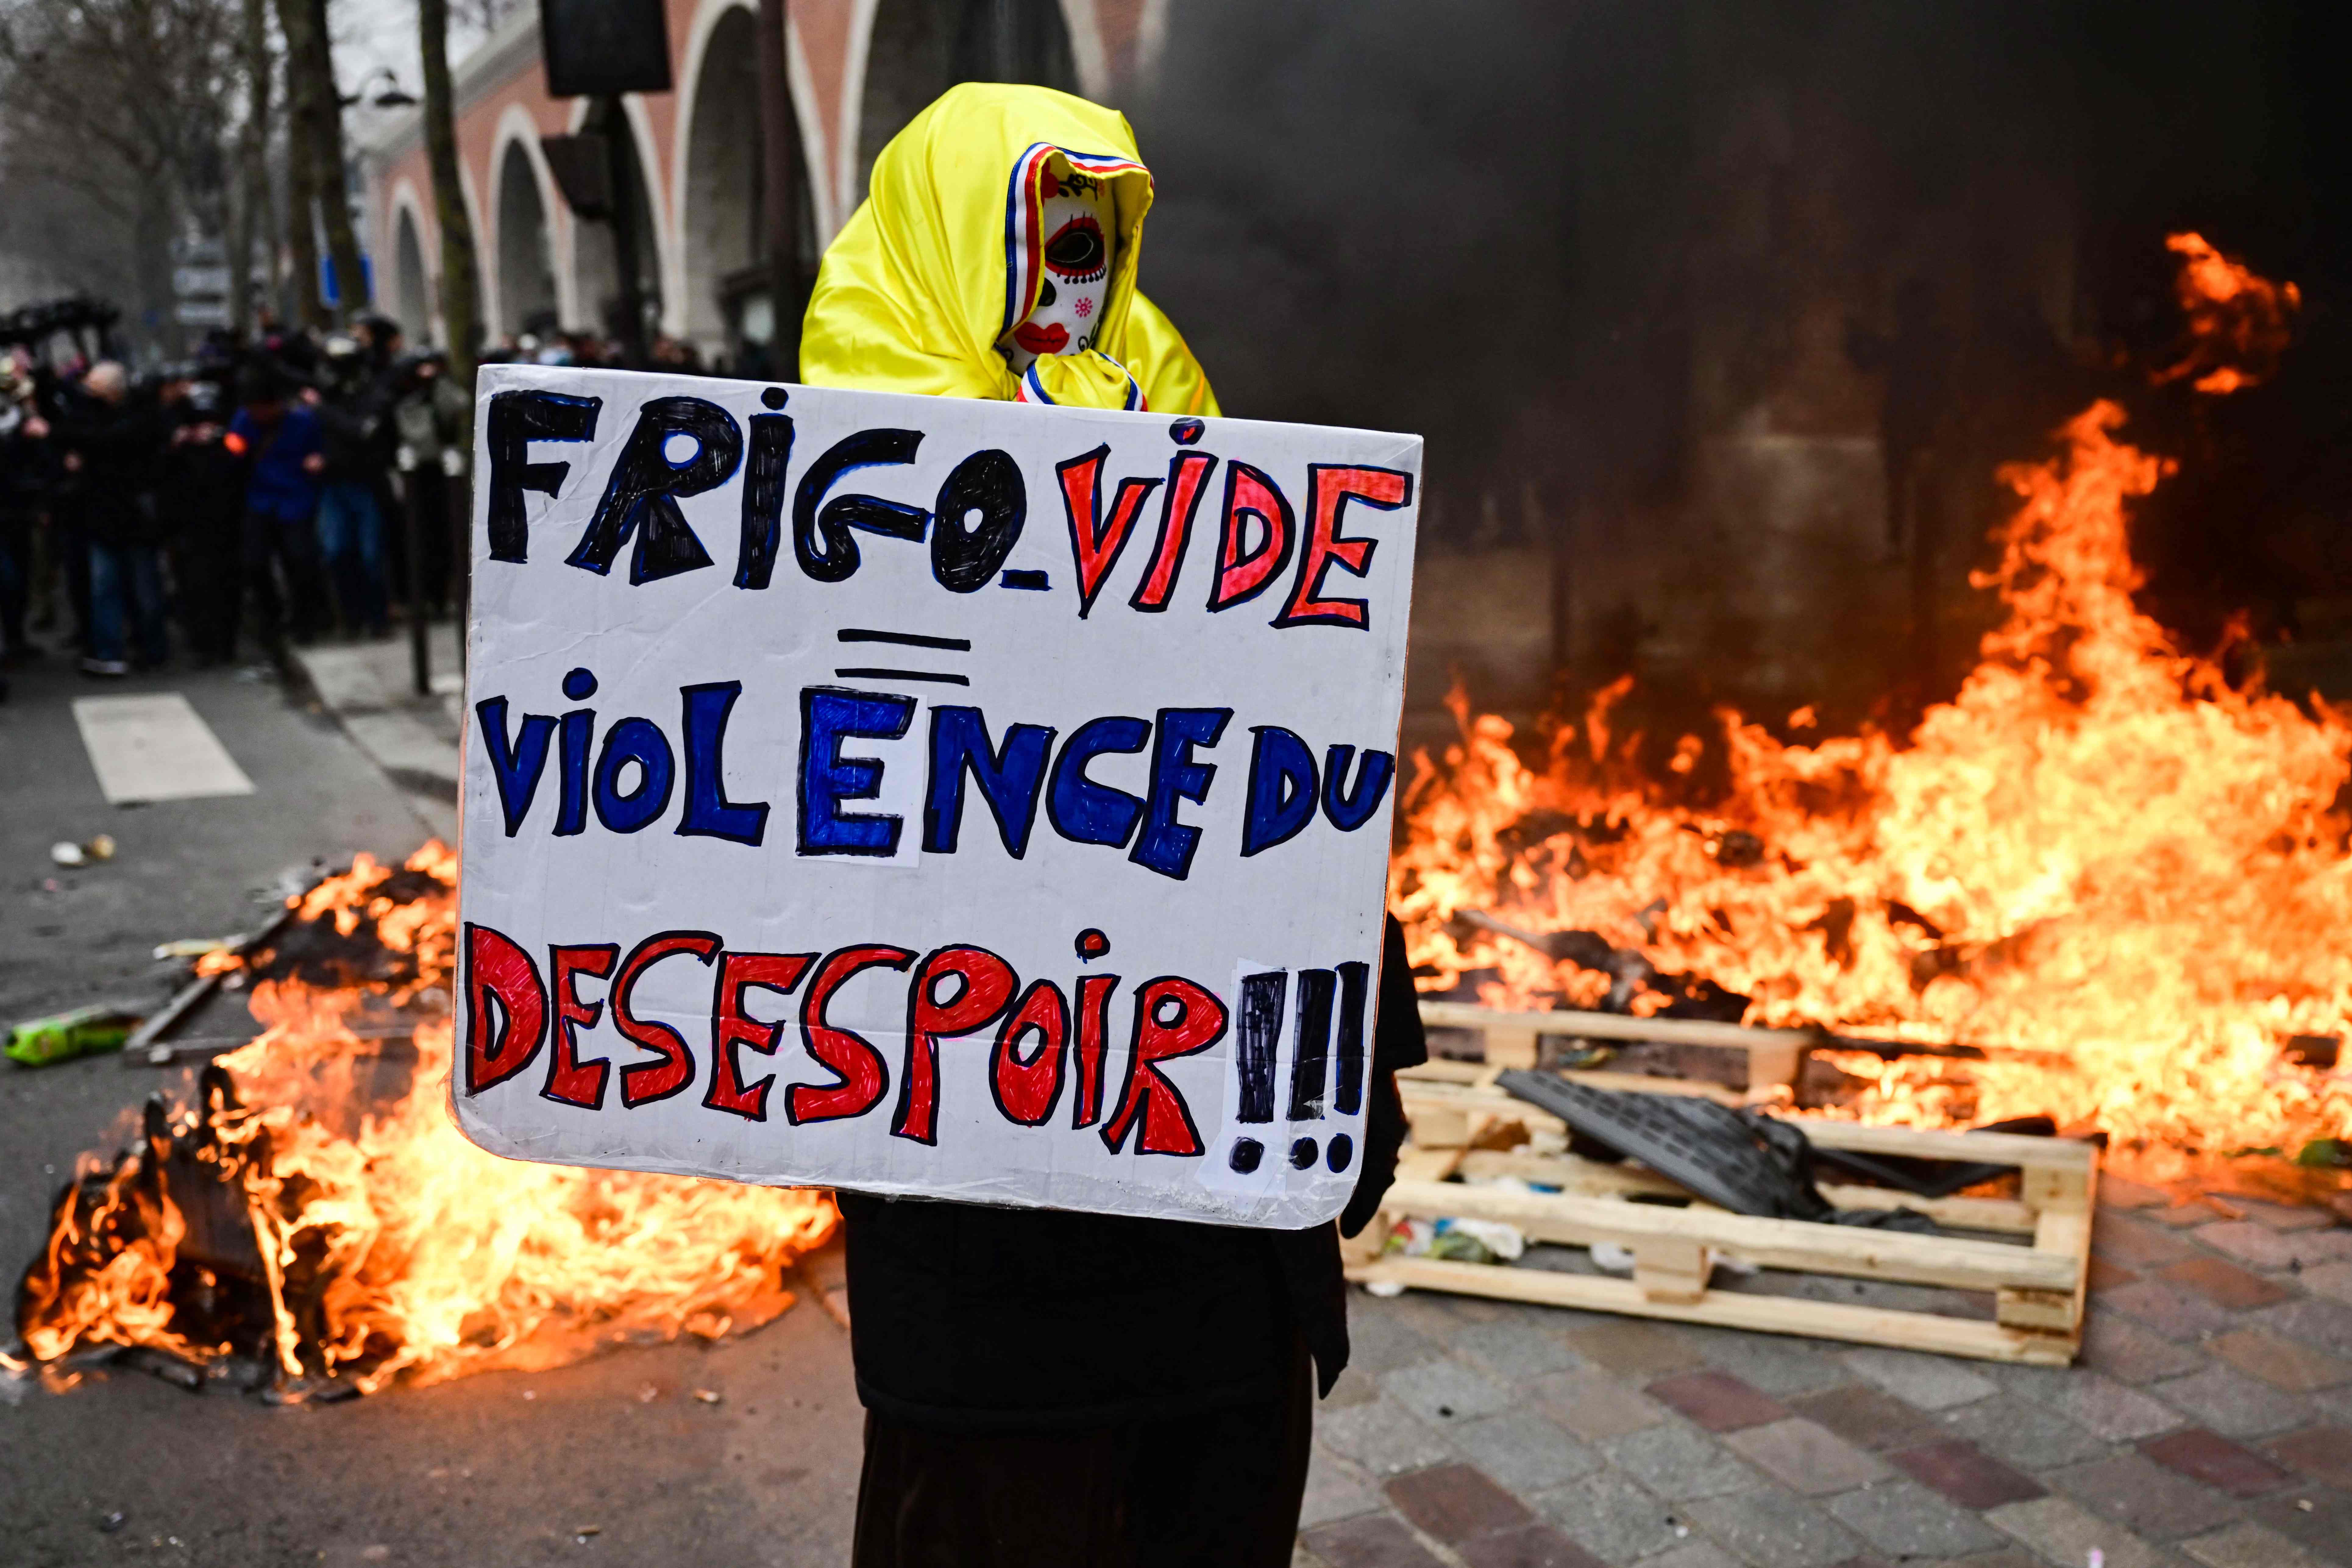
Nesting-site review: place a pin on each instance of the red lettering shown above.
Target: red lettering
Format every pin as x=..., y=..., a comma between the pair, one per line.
x=1094, y=1040
x=499, y=970
x=645, y=1082
x=1027, y=1091
x=1188, y=478
x=1243, y=573
x=569, y=1079
x=731, y=1027
x=987, y=990
x=1195, y=1020
x=860, y=1076
x=1095, y=546
x=1329, y=488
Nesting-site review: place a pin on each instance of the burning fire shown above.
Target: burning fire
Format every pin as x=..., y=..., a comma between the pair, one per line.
x=285, y=1220
x=2239, y=324
x=2125, y=879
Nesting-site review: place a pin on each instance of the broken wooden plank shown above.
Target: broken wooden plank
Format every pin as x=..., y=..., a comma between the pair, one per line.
x=1575, y=1024
x=1807, y=1245
x=1590, y=1178
x=2065, y=1154
x=1581, y=1026
x=2028, y=1154
x=1730, y=1309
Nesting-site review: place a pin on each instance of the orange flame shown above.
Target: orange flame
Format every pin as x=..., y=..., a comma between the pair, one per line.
x=2239, y=324
x=389, y=1243
x=2126, y=878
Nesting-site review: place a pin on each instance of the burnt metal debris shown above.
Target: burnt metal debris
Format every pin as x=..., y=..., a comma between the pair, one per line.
x=1695, y=997
x=1737, y=1160
x=192, y=995
x=218, y=1285
x=1935, y=1178
x=1629, y=972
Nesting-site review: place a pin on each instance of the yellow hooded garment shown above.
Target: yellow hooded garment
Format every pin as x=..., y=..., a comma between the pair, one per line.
x=943, y=261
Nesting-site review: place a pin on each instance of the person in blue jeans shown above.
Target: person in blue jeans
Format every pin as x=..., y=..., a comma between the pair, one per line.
x=353, y=412
x=109, y=442
x=282, y=442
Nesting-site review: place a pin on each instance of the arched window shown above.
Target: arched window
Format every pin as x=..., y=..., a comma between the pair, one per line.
x=600, y=288
x=920, y=49
x=525, y=268
x=412, y=297
x=727, y=276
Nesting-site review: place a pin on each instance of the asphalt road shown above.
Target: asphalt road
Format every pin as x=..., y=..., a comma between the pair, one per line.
x=503, y=1468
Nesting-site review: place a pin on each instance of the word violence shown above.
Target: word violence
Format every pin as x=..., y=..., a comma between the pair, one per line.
x=637, y=773
x=685, y=446
x=1044, y=1040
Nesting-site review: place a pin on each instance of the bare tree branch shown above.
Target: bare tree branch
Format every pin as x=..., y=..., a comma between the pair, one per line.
x=126, y=105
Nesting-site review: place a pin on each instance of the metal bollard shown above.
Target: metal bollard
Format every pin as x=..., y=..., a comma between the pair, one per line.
x=420, y=657
x=461, y=519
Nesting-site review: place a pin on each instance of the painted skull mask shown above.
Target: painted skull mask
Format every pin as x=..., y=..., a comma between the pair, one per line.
x=1078, y=220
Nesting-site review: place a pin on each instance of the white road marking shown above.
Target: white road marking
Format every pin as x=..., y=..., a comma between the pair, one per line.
x=155, y=748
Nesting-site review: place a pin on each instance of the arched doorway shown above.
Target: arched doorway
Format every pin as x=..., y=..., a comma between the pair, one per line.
x=600, y=288
x=411, y=295
x=526, y=266
x=920, y=49
x=724, y=218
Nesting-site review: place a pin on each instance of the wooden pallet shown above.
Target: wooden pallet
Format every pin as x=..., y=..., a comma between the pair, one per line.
x=1774, y=1057
x=1464, y=1126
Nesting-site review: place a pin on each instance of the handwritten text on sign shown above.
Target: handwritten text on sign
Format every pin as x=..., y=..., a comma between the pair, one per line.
x=928, y=797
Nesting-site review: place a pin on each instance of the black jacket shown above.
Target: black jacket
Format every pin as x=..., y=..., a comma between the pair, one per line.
x=114, y=490
x=28, y=468
x=200, y=482
x=355, y=416
x=978, y=1319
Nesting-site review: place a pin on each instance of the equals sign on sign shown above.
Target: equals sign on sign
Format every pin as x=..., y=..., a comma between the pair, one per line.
x=1327, y=1061
x=902, y=639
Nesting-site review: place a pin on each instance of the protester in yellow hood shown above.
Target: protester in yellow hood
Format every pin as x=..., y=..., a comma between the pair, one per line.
x=1078, y=1390
x=996, y=257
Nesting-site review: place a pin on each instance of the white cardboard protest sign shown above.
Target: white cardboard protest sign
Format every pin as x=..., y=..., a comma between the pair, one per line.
x=918, y=795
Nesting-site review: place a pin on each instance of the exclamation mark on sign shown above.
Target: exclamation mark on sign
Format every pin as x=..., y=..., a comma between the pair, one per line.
x=1322, y=993
x=1354, y=986
x=1310, y=1066
x=1260, y=1036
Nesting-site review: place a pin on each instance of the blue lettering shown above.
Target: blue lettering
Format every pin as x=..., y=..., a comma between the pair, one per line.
x=638, y=741
x=1350, y=809
x=708, y=813
x=517, y=763
x=1082, y=810
x=1282, y=789
x=572, y=811
x=1008, y=778
x=830, y=715
x=1167, y=845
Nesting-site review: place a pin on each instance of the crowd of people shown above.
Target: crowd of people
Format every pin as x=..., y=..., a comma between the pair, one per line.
x=260, y=494
x=663, y=354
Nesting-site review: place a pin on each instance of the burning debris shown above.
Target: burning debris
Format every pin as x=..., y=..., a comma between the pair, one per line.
x=1733, y=1158
x=2238, y=324
x=316, y=1225
x=2100, y=848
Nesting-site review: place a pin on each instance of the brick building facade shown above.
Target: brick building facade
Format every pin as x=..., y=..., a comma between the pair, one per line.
x=858, y=70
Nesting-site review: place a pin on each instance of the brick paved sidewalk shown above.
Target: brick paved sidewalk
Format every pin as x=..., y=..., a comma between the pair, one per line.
x=2208, y=1425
